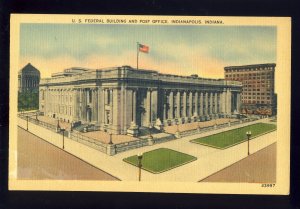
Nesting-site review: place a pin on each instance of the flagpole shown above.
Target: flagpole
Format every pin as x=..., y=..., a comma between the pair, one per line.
x=137, y=55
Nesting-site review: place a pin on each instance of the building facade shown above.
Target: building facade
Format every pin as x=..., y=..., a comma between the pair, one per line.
x=28, y=79
x=122, y=98
x=258, y=95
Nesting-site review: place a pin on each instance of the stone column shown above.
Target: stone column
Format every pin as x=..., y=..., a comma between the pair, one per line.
x=123, y=109
x=100, y=105
x=178, y=104
x=238, y=100
x=206, y=104
x=191, y=104
x=171, y=102
x=223, y=101
x=111, y=106
x=219, y=102
x=201, y=104
x=74, y=101
x=216, y=103
x=165, y=101
x=195, y=113
x=115, y=111
x=164, y=112
x=228, y=101
x=154, y=105
x=103, y=105
x=148, y=107
x=130, y=99
x=95, y=105
x=134, y=106
x=184, y=104
x=211, y=103
x=84, y=102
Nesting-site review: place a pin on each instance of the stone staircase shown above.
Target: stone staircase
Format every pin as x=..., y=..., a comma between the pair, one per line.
x=145, y=131
x=81, y=127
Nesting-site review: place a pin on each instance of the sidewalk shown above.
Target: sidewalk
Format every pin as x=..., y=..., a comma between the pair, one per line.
x=209, y=160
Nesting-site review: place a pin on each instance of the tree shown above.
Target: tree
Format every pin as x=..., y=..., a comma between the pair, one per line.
x=28, y=100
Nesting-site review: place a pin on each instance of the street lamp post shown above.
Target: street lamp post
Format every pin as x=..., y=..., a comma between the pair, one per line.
x=63, y=132
x=58, y=126
x=27, y=122
x=150, y=133
x=216, y=125
x=140, y=157
x=248, y=133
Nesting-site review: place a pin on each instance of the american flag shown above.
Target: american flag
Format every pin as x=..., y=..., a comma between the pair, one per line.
x=143, y=48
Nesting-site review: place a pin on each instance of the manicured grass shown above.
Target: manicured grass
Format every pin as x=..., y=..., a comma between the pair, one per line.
x=161, y=160
x=229, y=138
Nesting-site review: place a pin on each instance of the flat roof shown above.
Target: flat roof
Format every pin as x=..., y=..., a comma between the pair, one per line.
x=250, y=66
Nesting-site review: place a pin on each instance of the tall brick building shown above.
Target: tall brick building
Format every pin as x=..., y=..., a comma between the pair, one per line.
x=258, y=95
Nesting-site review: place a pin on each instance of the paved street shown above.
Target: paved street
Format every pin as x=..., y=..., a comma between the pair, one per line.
x=257, y=168
x=38, y=159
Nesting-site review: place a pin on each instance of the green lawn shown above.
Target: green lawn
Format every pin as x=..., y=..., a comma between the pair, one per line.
x=229, y=138
x=161, y=160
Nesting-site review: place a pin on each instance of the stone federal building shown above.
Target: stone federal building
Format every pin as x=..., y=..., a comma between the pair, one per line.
x=120, y=99
x=258, y=95
x=28, y=79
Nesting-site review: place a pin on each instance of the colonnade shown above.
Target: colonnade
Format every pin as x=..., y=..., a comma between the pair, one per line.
x=115, y=108
x=188, y=104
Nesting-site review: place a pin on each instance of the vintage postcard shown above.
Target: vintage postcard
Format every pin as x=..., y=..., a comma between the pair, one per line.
x=150, y=103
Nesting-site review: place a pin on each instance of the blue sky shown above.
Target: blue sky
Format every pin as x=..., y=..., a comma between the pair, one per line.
x=186, y=50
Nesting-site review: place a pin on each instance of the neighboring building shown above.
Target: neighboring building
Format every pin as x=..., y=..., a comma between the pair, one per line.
x=28, y=79
x=120, y=99
x=258, y=95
